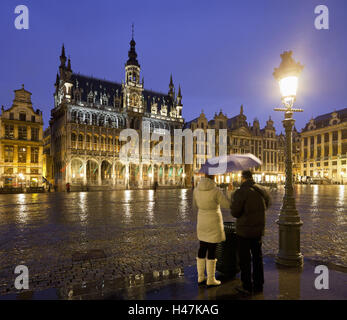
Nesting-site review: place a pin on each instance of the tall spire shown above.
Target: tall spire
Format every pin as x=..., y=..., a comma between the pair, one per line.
x=62, y=57
x=179, y=91
x=241, y=109
x=132, y=61
x=57, y=80
x=179, y=96
x=171, y=87
x=69, y=64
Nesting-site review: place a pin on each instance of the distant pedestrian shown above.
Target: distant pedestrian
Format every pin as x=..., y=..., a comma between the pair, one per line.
x=249, y=204
x=209, y=199
x=68, y=187
x=49, y=187
x=55, y=187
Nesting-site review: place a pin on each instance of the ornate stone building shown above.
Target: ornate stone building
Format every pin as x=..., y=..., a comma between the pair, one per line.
x=86, y=121
x=21, y=143
x=324, y=147
x=242, y=137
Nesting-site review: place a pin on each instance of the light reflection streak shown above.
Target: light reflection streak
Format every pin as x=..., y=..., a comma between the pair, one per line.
x=83, y=207
x=183, y=203
x=22, y=208
x=315, y=197
x=127, y=204
x=150, y=205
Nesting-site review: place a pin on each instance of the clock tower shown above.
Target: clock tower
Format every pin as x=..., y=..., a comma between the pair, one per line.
x=133, y=88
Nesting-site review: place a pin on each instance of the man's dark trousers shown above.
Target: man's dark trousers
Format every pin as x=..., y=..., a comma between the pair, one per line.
x=246, y=246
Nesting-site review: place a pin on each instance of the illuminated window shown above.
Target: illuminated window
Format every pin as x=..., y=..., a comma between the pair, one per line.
x=34, y=155
x=326, y=137
x=95, y=142
x=80, y=141
x=22, y=154
x=22, y=133
x=73, y=140
x=88, y=142
x=34, y=134
x=8, y=170
x=9, y=131
x=9, y=153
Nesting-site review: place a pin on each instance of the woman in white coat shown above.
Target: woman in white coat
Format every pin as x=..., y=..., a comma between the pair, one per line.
x=209, y=199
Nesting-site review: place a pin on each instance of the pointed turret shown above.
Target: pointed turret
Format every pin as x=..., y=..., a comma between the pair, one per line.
x=57, y=82
x=241, y=109
x=132, y=61
x=179, y=105
x=69, y=65
x=62, y=57
x=171, y=88
x=179, y=96
x=68, y=71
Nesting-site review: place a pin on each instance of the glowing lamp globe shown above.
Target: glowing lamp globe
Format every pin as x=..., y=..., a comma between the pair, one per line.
x=287, y=75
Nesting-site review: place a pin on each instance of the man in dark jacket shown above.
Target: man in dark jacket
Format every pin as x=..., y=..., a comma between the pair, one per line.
x=248, y=206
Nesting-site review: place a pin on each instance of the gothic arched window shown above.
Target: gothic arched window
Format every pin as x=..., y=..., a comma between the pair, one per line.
x=73, y=140
x=95, y=141
x=90, y=98
x=88, y=142
x=73, y=116
x=80, y=117
x=102, y=143
x=80, y=141
x=101, y=120
x=94, y=119
x=134, y=100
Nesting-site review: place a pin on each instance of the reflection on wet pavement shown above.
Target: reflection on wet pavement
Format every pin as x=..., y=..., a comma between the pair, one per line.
x=139, y=231
x=281, y=283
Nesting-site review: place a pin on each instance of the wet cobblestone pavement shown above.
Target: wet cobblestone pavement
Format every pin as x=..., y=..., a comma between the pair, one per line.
x=75, y=239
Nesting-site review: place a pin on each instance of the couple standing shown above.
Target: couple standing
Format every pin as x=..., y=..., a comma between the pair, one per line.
x=248, y=205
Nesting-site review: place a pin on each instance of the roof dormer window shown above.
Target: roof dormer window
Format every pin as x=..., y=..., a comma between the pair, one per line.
x=22, y=116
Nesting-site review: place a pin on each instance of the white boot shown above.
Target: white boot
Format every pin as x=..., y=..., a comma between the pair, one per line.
x=211, y=272
x=200, y=265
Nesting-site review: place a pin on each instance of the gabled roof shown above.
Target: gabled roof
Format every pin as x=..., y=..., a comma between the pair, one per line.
x=188, y=123
x=111, y=89
x=97, y=86
x=323, y=120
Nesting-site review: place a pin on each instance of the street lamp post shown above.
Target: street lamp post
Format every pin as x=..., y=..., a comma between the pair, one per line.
x=289, y=220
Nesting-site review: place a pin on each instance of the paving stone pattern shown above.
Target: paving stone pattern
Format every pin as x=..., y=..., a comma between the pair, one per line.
x=69, y=240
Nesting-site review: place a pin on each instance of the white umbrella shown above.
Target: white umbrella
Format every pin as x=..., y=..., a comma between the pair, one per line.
x=230, y=163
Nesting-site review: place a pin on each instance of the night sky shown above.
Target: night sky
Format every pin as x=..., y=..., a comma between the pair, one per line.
x=221, y=52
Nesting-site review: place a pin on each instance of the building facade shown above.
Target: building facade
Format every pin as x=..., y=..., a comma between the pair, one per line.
x=242, y=137
x=21, y=143
x=324, y=147
x=47, y=160
x=87, y=119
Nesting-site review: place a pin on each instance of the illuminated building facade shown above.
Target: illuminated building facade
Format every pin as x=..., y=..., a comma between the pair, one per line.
x=242, y=137
x=21, y=143
x=324, y=147
x=88, y=117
